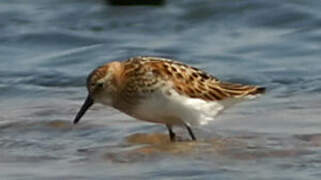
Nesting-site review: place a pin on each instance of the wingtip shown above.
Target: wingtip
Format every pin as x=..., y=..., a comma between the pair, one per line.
x=260, y=90
x=257, y=90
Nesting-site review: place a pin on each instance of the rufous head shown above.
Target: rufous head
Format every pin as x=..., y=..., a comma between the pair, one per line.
x=102, y=86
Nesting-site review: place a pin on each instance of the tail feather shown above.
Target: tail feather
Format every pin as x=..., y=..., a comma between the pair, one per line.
x=259, y=90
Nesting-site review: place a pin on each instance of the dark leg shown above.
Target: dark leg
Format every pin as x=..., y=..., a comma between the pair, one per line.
x=190, y=132
x=171, y=133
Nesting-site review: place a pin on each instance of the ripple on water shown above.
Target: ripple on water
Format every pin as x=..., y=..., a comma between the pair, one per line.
x=48, y=48
x=150, y=147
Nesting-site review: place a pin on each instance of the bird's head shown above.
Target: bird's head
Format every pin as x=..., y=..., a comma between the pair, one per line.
x=102, y=86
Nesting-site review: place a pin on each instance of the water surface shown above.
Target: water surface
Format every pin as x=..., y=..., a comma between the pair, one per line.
x=49, y=47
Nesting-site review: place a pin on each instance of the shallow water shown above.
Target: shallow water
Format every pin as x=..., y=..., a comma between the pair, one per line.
x=48, y=48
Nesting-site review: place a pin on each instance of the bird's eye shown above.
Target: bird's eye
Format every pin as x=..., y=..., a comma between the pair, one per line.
x=100, y=85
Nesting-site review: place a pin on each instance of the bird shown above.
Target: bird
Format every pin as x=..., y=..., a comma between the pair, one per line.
x=164, y=91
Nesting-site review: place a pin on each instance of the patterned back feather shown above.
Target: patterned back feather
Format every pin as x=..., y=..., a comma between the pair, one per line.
x=187, y=80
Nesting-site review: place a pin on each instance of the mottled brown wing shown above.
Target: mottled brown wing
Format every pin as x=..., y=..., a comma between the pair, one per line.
x=191, y=81
x=199, y=84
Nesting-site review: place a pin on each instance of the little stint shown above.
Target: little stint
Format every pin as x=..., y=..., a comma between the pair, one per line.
x=165, y=91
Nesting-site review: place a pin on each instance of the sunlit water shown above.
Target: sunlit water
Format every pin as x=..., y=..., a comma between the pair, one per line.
x=48, y=48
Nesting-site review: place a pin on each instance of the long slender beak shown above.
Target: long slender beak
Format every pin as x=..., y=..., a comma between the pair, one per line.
x=88, y=102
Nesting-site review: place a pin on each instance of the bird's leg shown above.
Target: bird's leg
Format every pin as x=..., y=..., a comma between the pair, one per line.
x=171, y=133
x=190, y=132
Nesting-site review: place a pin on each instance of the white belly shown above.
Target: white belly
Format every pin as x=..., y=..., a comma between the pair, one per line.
x=176, y=109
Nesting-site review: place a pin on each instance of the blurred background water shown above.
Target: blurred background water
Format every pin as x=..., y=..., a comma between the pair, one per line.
x=48, y=47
